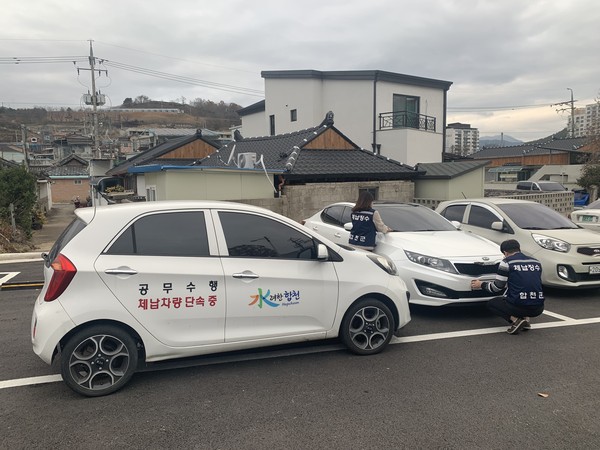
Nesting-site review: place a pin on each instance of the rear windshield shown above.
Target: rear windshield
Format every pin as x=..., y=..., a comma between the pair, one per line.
x=69, y=233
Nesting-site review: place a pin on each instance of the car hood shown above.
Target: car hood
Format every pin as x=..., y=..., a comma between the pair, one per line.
x=442, y=244
x=575, y=236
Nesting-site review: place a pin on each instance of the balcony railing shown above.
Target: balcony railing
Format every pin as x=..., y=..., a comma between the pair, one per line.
x=406, y=119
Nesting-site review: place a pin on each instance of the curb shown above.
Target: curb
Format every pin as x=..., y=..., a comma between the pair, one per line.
x=28, y=256
x=22, y=285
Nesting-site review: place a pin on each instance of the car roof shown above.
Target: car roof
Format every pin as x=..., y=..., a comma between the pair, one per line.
x=491, y=200
x=129, y=210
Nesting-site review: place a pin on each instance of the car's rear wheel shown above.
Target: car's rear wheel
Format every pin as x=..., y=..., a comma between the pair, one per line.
x=367, y=327
x=99, y=360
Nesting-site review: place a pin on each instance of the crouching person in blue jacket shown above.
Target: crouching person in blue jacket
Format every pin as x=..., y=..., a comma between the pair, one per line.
x=521, y=277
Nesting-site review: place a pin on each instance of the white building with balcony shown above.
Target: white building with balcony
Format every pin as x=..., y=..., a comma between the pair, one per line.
x=402, y=117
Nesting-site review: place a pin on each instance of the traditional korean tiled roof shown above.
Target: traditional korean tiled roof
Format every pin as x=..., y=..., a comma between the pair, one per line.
x=294, y=155
x=152, y=155
x=532, y=148
x=448, y=170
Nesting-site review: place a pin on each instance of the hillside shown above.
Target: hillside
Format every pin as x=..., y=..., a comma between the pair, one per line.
x=201, y=114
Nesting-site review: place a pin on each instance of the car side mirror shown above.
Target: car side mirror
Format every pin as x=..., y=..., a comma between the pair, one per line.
x=322, y=252
x=498, y=226
x=456, y=224
x=348, y=226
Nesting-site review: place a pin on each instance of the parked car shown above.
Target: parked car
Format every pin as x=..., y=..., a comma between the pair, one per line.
x=137, y=283
x=588, y=217
x=570, y=255
x=436, y=260
x=544, y=186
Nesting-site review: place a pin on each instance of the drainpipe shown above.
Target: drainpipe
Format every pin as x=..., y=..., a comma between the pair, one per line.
x=374, y=144
x=444, y=124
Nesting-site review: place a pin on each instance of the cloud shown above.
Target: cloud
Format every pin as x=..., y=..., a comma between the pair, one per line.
x=497, y=54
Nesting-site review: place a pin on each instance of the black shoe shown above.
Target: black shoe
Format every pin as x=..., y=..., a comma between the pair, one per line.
x=527, y=325
x=516, y=326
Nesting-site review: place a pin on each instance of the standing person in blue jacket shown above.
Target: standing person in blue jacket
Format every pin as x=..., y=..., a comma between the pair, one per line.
x=366, y=222
x=521, y=276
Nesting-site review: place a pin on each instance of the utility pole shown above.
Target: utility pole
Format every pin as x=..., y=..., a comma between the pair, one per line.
x=95, y=99
x=572, y=114
x=94, y=102
x=572, y=108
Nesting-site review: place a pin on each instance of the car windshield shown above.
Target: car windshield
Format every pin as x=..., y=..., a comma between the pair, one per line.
x=594, y=205
x=412, y=218
x=551, y=186
x=535, y=216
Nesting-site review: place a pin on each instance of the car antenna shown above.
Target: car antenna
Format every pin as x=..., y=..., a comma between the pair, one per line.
x=463, y=195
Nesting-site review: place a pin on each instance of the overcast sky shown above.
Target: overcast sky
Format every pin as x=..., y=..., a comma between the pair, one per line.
x=508, y=60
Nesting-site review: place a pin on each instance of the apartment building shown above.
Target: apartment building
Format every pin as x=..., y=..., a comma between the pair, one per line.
x=586, y=121
x=461, y=139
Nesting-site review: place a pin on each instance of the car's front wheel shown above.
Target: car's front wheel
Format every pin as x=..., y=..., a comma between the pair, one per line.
x=99, y=360
x=367, y=327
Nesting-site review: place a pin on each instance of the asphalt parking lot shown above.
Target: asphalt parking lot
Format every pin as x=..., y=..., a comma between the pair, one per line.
x=454, y=379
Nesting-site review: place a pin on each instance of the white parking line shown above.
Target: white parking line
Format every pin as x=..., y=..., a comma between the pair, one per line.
x=557, y=316
x=7, y=276
x=566, y=322
x=30, y=381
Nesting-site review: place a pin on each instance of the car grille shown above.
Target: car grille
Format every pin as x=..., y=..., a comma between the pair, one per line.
x=590, y=251
x=476, y=269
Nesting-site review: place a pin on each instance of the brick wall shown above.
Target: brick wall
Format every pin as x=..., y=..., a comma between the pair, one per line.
x=63, y=191
x=301, y=201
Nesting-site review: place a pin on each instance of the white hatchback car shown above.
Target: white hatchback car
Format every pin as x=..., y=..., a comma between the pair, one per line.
x=569, y=254
x=142, y=282
x=436, y=260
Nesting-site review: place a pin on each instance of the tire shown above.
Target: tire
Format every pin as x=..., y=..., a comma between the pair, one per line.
x=368, y=327
x=98, y=360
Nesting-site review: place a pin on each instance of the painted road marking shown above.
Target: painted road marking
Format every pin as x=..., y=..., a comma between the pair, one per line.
x=7, y=276
x=566, y=322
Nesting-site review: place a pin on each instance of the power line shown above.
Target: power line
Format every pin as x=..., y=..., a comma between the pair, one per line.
x=182, y=79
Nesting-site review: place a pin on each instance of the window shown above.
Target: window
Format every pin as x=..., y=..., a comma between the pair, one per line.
x=455, y=212
x=334, y=215
x=167, y=234
x=253, y=236
x=406, y=111
x=373, y=190
x=76, y=181
x=272, y=125
x=293, y=115
x=482, y=217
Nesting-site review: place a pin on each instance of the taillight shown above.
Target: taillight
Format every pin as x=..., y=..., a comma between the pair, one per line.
x=64, y=271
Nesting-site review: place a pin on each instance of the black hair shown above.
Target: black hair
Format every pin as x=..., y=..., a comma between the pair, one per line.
x=510, y=246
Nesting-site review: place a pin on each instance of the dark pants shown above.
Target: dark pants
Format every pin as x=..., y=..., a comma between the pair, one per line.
x=503, y=308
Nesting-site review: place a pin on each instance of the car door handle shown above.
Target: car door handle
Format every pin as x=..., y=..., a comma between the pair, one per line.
x=120, y=271
x=337, y=235
x=246, y=274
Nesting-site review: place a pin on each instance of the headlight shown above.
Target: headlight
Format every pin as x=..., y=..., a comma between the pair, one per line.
x=385, y=263
x=429, y=261
x=551, y=244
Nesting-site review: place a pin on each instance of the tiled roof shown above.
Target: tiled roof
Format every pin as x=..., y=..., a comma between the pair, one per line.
x=67, y=171
x=286, y=153
x=532, y=148
x=447, y=170
x=151, y=155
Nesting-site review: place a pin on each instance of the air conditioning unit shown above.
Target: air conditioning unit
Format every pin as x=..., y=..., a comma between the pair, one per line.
x=246, y=160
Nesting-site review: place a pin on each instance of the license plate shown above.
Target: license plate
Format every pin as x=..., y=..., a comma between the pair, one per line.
x=595, y=269
x=587, y=218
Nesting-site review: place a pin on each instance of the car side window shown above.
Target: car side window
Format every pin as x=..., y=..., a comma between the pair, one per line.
x=455, y=212
x=253, y=236
x=166, y=234
x=482, y=217
x=333, y=215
